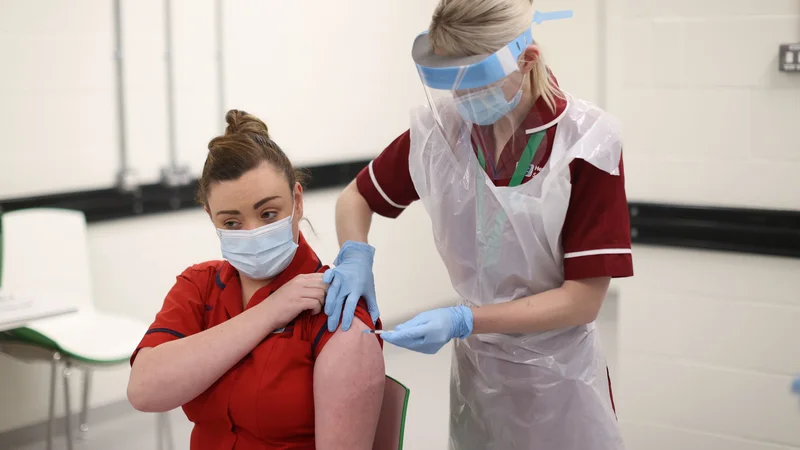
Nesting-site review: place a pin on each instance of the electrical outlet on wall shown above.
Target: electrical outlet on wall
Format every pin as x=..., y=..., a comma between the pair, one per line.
x=789, y=58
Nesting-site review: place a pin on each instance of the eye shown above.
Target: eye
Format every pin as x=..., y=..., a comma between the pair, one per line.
x=269, y=215
x=231, y=224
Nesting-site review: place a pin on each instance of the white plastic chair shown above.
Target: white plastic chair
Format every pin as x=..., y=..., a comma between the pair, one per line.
x=45, y=253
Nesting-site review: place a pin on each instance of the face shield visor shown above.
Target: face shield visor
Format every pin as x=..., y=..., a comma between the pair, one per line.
x=467, y=95
x=482, y=89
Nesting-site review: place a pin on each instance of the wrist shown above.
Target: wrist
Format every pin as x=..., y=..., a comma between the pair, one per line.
x=355, y=248
x=466, y=321
x=267, y=322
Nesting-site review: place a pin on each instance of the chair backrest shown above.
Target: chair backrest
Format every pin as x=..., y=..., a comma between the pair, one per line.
x=45, y=250
x=392, y=421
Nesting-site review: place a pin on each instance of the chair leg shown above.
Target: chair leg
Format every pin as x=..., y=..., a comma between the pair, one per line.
x=67, y=408
x=51, y=418
x=164, y=432
x=168, y=429
x=160, y=432
x=84, y=420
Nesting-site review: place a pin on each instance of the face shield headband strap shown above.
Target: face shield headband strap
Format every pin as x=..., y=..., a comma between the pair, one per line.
x=451, y=73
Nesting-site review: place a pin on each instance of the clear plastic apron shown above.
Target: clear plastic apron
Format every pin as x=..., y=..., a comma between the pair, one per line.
x=545, y=391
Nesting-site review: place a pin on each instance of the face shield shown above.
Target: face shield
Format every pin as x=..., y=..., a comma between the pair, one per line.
x=481, y=88
x=467, y=95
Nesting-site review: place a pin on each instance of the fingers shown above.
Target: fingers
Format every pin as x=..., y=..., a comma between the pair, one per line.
x=417, y=321
x=349, y=310
x=311, y=304
x=315, y=292
x=328, y=276
x=333, y=296
x=316, y=284
x=407, y=333
x=318, y=295
x=401, y=340
x=372, y=305
x=333, y=305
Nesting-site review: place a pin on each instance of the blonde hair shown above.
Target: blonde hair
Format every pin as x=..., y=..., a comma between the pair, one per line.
x=474, y=27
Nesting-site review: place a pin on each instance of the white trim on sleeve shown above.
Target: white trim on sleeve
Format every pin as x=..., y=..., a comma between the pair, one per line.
x=380, y=191
x=602, y=251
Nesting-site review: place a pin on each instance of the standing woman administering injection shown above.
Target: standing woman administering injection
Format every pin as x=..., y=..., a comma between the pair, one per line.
x=525, y=189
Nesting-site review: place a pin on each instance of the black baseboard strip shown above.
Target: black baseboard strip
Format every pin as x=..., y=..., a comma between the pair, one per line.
x=108, y=204
x=766, y=232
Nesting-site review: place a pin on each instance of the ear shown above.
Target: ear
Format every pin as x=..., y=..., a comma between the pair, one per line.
x=298, y=201
x=528, y=58
x=208, y=211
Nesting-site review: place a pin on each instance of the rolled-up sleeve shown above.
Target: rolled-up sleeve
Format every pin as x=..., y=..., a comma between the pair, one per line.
x=181, y=314
x=386, y=182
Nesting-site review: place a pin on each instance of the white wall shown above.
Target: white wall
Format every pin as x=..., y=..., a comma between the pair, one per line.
x=707, y=349
x=298, y=65
x=340, y=69
x=708, y=118
x=707, y=340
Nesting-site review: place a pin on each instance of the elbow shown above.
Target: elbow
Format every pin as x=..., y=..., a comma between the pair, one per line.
x=138, y=398
x=588, y=314
x=143, y=397
x=587, y=308
x=144, y=401
x=586, y=298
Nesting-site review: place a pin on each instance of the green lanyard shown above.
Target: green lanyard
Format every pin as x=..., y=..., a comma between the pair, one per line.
x=524, y=161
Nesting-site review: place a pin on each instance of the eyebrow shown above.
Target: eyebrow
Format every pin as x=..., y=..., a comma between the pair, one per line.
x=258, y=204
x=265, y=200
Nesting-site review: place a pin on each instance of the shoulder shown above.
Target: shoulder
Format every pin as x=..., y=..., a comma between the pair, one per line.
x=592, y=133
x=213, y=265
x=204, y=269
x=203, y=274
x=315, y=327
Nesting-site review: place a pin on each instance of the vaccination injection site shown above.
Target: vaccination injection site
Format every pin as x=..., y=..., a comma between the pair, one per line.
x=400, y=225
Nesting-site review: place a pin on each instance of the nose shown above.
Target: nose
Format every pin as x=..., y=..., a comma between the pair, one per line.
x=251, y=224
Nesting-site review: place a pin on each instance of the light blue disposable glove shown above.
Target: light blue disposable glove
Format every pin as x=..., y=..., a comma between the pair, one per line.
x=429, y=331
x=350, y=280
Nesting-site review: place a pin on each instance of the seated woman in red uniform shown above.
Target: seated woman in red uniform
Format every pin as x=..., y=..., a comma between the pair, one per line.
x=241, y=343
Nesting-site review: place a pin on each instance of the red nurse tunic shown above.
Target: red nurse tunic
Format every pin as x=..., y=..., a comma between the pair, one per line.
x=266, y=400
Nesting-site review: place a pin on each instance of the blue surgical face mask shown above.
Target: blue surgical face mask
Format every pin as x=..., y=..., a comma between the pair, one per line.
x=261, y=253
x=487, y=106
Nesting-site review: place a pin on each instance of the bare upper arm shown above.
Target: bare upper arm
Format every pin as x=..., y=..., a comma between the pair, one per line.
x=348, y=390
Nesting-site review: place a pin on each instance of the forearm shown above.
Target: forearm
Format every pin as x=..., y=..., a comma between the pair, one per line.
x=574, y=303
x=174, y=373
x=353, y=216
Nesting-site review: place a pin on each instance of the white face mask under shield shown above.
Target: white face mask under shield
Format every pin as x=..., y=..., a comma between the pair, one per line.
x=261, y=253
